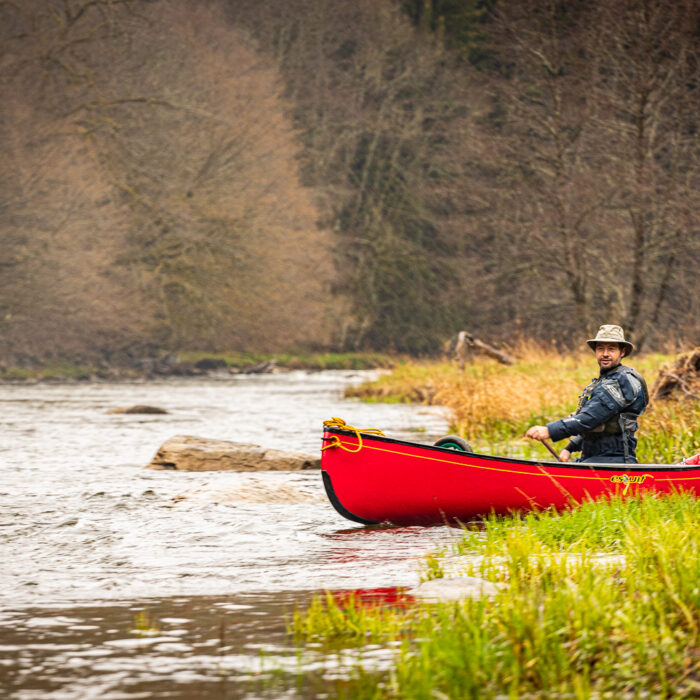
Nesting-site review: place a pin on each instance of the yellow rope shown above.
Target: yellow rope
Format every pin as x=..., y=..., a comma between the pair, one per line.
x=340, y=424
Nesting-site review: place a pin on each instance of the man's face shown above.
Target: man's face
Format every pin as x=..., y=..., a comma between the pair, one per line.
x=608, y=355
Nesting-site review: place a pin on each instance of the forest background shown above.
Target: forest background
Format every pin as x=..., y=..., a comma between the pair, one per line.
x=268, y=175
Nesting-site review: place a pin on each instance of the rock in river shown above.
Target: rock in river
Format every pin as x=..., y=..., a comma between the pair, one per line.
x=189, y=453
x=138, y=410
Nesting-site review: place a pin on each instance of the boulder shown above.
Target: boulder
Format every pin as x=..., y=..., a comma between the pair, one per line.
x=269, y=367
x=189, y=453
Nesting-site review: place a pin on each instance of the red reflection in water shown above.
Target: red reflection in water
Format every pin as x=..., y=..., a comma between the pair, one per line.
x=395, y=597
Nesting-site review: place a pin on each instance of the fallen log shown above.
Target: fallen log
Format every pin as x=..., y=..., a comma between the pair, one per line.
x=467, y=342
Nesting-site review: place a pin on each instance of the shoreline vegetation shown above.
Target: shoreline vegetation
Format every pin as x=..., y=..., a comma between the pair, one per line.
x=598, y=601
x=492, y=404
x=193, y=364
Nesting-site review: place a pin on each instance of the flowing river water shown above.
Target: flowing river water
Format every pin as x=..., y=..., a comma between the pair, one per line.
x=112, y=589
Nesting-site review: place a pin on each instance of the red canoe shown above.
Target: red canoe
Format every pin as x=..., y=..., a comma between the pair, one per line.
x=370, y=479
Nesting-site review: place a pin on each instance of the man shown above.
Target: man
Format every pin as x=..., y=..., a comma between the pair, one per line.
x=604, y=424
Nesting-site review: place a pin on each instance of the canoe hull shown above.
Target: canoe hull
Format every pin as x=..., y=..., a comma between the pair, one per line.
x=384, y=480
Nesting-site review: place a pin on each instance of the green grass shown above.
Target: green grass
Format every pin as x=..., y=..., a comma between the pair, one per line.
x=57, y=369
x=346, y=621
x=598, y=526
x=599, y=601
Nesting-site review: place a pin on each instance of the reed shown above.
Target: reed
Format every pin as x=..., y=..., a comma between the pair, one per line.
x=568, y=620
x=669, y=431
x=145, y=625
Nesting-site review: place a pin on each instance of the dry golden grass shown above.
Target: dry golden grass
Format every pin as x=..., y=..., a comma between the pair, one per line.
x=493, y=404
x=670, y=431
x=543, y=380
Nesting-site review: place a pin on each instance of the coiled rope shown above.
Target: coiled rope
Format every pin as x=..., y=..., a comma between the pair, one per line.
x=340, y=424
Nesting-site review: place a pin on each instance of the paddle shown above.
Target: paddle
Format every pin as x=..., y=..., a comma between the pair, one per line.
x=548, y=445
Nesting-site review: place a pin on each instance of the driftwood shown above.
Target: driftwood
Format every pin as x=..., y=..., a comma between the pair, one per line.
x=466, y=342
x=262, y=368
x=683, y=377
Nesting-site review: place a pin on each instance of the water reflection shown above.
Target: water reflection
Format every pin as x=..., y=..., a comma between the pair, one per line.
x=201, y=643
x=235, y=647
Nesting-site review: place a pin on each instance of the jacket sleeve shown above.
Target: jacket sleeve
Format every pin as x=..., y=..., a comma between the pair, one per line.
x=575, y=444
x=609, y=398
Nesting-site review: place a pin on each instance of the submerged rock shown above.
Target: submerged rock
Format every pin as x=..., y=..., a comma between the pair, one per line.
x=442, y=589
x=245, y=488
x=190, y=453
x=141, y=410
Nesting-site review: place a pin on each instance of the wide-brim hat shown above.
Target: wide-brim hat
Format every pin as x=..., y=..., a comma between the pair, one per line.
x=610, y=333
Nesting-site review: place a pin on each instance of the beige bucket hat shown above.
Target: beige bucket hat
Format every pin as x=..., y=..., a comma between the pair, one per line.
x=610, y=333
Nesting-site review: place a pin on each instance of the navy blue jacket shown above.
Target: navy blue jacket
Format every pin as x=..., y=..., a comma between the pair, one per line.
x=603, y=427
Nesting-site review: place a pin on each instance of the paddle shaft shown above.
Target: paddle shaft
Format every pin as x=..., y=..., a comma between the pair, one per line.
x=548, y=445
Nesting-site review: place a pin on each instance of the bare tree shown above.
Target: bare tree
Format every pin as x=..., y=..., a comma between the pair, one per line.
x=210, y=170
x=598, y=135
x=376, y=104
x=153, y=194
x=647, y=90
x=57, y=280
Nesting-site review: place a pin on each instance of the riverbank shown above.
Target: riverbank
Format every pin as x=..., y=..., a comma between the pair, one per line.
x=601, y=600
x=492, y=404
x=191, y=364
x=598, y=601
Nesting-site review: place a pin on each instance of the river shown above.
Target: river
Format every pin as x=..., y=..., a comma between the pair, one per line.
x=110, y=589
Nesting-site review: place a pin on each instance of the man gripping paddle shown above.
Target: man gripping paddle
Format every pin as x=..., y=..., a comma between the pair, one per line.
x=605, y=422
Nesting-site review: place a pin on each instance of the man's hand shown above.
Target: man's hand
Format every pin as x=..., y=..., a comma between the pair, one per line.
x=538, y=432
x=565, y=455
